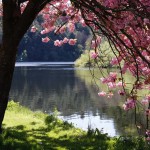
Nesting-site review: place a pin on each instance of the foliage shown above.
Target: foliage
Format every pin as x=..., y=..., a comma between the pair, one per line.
x=103, y=60
x=131, y=143
x=32, y=48
x=27, y=130
x=35, y=134
x=84, y=60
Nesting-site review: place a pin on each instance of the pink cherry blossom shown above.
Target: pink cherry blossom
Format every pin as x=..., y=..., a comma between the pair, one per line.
x=65, y=40
x=144, y=101
x=119, y=84
x=45, y=40
x=104, y=80
x=146, y=20
x=102, y=93
x=45, y=31
x=148, y=132
x=129, y=104
x=109, y=95
x=58, y=43
x=62, y=29
x=112, y=85
x=94, y=55
x=148, y=97
x=113, y=75
x=72, y=41
x=96, y=42
x=83, y=22
x=121, y=92
x=115, y=61
x=46, y=16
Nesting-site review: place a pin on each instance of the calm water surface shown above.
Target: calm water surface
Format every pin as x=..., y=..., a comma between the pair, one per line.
x=45, y=86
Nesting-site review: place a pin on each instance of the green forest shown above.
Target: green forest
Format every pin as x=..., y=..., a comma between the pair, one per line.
x=32, y=48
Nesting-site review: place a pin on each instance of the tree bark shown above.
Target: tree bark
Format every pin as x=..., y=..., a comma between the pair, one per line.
x=15, y=26
x=7, y=63
x=8, y=51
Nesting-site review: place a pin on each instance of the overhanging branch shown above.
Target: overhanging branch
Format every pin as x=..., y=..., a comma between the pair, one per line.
x=31, y=11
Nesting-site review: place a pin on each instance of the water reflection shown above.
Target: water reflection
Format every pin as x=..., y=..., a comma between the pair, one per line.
x=92, y=122
x=44, y=87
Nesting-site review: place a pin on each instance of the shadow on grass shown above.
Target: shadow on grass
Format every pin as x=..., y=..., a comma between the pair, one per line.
x=19, y=138
x=58, y=135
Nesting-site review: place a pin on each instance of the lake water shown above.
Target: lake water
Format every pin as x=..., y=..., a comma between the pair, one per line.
x=45, y=86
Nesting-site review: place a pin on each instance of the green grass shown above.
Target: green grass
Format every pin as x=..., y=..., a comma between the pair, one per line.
x=105, y=56
x=27, y=130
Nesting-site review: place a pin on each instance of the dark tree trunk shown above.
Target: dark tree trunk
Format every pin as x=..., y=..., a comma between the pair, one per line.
x=8, y=51
x=15, y=26
x=7, y=63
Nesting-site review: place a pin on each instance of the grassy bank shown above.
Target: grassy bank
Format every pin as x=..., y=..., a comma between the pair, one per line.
x=103, y=60
x=27, y=130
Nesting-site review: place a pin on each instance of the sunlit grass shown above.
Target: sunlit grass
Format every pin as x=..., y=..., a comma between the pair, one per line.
x=24, y=129
x=27, y=130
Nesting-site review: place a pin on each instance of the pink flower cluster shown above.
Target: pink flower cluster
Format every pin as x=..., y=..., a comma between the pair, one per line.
x=121, y=92
x=110, y=79
x=46, y=39
x=146, y=100
x=72, y=41
x=64, y=41
x=94, y=55
x=116, y=61
x=129, y=104
x=102, y=93
x=95, y=43
x=111, y=83
x=148, y=135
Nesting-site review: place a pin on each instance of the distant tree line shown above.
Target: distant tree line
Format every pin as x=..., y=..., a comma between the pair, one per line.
x=32, y=48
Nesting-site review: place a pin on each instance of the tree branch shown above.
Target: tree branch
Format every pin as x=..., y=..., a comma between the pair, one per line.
x=31, y=11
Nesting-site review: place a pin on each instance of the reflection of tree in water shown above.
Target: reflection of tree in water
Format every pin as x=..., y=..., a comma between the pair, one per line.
x=45, y=88
x=111, y=109
x=125, y=121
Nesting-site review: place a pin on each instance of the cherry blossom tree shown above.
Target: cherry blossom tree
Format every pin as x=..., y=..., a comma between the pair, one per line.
x=124, y=23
